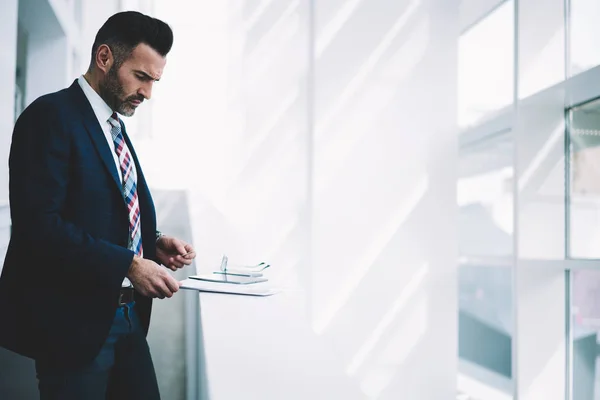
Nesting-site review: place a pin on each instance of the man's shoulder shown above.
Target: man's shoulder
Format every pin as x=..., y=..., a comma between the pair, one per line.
x=54, y=100
x=51, y=105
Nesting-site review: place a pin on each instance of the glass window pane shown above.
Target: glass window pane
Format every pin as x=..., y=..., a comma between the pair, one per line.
x=585, y=325
x=585, y=52
x=584, y=177
x=485, y=66
x=485, y=331
x=485, y=199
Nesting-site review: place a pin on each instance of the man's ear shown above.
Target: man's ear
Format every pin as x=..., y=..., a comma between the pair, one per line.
x=104, y=58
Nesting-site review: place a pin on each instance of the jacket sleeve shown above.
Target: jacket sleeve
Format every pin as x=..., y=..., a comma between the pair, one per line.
x=39, y=178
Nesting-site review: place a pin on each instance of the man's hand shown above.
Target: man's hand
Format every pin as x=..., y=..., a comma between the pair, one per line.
x=150, y=279
x=174, y=253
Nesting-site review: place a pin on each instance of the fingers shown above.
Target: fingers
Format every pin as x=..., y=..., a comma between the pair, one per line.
x=161, y=290
x=185, y=260
x=180, y=247
x=177, y=254
x=172, y=284
x=153, y=281
x=166, y=286
x=162, y=285
x=146, y=292
x=155, y=292
x=190, y=253
x=178, y=262
x=172, y=266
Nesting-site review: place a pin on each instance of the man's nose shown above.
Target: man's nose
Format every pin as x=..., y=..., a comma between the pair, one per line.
x=146, y=90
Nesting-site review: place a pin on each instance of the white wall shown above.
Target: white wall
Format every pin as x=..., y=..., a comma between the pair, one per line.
x=383, y=271
x=349, y=190
x=472, y=11
x=45, y=76
x=93, y=15
x=49, y=48
x=8, y=60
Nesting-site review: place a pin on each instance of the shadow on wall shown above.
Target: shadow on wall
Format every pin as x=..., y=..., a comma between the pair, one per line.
x=17, y=377
x=166, y=338
x=17, y=373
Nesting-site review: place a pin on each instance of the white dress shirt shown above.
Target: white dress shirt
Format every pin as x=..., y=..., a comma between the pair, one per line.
x=103, y=112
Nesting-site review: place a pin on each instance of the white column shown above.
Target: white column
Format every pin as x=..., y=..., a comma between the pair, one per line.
x=93, y=15
x=540, y=362
x=48, y=64
x=8, y=61
x=540, y=295
x=540, y=340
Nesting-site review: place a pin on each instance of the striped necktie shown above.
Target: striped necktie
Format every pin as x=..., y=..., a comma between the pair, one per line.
x=129, y=186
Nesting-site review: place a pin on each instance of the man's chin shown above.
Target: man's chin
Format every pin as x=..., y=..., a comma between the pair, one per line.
x=126, y=111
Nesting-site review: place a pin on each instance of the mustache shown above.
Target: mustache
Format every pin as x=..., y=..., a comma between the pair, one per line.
x=135, y=98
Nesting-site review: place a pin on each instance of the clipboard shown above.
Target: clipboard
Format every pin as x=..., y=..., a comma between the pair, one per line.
x=229, y=278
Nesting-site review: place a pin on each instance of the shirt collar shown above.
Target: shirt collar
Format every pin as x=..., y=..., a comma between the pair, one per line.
x=101, y=109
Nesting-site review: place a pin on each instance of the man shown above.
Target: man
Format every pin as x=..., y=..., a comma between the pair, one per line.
x=81, y=266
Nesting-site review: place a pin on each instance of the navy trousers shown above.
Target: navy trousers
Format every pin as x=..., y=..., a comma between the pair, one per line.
x=122, y=370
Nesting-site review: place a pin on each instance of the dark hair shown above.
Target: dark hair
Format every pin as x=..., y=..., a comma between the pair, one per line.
x=124, y=31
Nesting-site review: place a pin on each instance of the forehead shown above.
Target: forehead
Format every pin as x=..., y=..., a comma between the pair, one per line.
x=148, y=60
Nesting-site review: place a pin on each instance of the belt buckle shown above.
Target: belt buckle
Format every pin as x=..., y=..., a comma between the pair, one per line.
x=125, y=296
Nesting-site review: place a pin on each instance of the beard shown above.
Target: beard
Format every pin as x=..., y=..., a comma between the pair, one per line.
x=112, y=92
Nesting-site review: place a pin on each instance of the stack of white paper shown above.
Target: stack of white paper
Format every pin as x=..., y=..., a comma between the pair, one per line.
x=258, y=289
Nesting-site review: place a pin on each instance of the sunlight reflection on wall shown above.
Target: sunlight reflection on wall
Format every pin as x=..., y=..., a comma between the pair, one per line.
x=357, y=211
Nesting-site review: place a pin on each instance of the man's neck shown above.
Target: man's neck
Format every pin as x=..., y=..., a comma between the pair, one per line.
x=90, y=78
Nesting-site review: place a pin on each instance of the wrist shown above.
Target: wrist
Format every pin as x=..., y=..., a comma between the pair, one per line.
x=134, y=264
x=159, y=235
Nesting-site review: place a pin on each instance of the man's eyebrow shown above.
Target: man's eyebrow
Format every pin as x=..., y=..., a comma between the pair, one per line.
x=147, y=75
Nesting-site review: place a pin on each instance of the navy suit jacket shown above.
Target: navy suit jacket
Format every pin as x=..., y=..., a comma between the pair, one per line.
x=68, y=253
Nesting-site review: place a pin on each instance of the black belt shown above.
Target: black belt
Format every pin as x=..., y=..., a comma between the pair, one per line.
x=125, y=296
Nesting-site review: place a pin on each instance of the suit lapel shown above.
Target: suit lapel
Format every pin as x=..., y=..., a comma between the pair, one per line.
x=104, y=150
x=96, y=134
